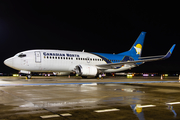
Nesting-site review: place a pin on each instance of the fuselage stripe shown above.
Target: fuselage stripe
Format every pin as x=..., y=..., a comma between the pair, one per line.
x=105, y=59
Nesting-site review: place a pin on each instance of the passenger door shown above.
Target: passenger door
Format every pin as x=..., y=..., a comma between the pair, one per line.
x=37, y=57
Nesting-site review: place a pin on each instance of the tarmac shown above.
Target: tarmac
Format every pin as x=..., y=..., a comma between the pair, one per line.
x=63, y=98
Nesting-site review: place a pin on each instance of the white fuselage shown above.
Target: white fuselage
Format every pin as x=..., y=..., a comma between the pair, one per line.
x=55, y=61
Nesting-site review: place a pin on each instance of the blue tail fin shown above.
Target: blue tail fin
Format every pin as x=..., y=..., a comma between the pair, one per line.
x=137, y=47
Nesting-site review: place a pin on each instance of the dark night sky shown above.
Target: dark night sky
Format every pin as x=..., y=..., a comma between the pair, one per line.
x=26, y=25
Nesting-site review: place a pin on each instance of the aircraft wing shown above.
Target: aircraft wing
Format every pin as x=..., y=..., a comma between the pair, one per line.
x=141, y=60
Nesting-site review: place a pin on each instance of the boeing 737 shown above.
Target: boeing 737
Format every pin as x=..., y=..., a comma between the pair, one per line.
x=82, y=63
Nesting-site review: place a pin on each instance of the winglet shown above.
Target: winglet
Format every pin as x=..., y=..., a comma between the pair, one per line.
x=169, y=52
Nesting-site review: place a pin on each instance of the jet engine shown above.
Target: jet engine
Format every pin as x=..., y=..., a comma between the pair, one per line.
x=86, y=70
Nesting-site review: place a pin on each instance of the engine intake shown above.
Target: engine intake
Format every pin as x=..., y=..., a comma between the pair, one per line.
x=86, y=70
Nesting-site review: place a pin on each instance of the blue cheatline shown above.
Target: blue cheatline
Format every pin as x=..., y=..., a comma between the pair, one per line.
x=44, y=84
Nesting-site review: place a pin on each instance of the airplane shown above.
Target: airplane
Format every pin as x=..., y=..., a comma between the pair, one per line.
x=82, y=63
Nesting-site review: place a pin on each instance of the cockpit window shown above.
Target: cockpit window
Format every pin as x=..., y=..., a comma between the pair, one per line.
x=22, y=55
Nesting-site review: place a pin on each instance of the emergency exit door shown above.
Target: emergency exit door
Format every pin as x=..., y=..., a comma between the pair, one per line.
x=38, y=57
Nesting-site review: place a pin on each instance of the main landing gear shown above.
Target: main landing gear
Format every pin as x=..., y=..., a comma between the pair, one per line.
x=28, y=76
x=99, y=76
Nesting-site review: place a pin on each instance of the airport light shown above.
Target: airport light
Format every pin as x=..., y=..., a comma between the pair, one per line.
x=129, y=75
x=15, y=75
x=145, y=75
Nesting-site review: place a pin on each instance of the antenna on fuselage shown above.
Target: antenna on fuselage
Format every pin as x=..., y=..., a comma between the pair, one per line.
x=83, y=51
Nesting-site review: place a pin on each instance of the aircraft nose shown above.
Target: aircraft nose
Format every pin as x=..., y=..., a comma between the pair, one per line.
x=9, y=62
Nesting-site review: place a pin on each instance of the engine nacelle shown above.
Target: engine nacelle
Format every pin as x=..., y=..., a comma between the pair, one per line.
x=86, y=70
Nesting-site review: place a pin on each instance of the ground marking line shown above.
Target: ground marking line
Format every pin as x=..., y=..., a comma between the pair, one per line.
x=88, y=83
x=107, y=110
x=172, y=103
x=143, y=106
x=66, y=114
x=49, y=116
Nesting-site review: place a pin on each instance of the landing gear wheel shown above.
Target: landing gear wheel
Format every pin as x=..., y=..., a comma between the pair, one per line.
x=28, y=76
x=99, y=76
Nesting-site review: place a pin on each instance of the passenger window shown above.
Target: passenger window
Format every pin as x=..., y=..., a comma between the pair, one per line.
x=22, y=55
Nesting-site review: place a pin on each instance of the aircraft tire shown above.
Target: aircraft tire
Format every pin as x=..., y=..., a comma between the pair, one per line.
x=28, y=76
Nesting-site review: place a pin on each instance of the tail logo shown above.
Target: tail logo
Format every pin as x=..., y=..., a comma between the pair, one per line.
x=138, y=48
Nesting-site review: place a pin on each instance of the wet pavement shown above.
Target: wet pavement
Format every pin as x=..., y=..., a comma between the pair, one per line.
x=110, y=98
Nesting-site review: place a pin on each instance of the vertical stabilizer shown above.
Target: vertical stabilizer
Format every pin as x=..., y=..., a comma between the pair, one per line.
x=137, y=47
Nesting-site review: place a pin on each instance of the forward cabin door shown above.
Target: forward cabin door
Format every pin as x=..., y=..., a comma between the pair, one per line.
x=38, y=57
